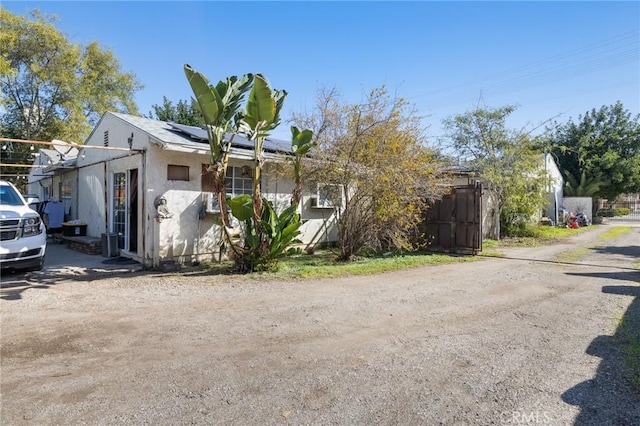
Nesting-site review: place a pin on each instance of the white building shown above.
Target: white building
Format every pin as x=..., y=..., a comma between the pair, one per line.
x=130, y=164
x=555, y=185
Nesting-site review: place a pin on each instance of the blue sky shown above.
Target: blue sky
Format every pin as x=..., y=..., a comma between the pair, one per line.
x=549, y=58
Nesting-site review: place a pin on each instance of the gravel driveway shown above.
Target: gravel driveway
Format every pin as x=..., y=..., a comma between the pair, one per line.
x=517, y=340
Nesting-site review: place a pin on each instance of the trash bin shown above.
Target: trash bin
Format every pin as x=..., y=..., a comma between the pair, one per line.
x=110, y=245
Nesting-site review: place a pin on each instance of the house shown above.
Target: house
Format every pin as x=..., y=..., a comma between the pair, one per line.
x=142, y=186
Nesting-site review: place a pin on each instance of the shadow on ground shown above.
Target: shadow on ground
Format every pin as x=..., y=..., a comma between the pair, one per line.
x=13, y=284
x=558, y=262
x=629, y=251
x=612, y=397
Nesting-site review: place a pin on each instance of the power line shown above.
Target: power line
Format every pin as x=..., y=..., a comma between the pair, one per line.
x=71, y=145
x=31, y=166
x=615, y=51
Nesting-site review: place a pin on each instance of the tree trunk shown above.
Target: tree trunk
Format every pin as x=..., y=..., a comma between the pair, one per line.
x=296, y=196
x=221, y=193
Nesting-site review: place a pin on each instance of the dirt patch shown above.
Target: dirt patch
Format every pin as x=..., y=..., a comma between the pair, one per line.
x=507, y=340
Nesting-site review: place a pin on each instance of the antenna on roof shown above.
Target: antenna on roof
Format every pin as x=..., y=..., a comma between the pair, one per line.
x=64, y=149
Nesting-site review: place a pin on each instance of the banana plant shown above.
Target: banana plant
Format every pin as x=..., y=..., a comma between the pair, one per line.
x=267, y=235
x=301, y=144
x=268, y=240
x=262, y=115
x=221, y=108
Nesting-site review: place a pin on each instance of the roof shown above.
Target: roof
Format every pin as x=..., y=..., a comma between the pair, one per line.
x=50, y=160
x=52, y=155
x=173, y=136
x=239, y=141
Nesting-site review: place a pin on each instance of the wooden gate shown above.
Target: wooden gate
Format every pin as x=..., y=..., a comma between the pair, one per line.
x=454, y=223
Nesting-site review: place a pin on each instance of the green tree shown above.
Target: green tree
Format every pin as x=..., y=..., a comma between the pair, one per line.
x=182, y=113
x=507, y=158
x=584, y=187
x=603, y=143
x=372, y=163
x=53, y=88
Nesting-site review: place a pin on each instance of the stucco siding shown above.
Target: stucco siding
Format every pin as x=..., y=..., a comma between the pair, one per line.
x=91, y=205
x=187, y=235
x=95, y=192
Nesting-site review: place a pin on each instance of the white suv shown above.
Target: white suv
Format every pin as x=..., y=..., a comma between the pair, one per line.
x=23, y=239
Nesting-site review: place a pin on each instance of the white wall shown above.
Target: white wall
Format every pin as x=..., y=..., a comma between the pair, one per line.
x=185, y=237
x=319, y=224
x=579, y=205
x=555, y=184
x=96, y=167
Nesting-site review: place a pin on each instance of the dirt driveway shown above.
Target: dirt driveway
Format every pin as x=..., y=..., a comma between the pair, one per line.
x=517, y=340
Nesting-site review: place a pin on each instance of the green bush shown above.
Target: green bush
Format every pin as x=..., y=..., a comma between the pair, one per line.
x=262, y=250
x=522, y=229
x=617, y=211
x=621, y=211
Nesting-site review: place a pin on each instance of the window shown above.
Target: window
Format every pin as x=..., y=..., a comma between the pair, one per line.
x=327, y=196
x=177, y=172
x=239, y=180
x=120, y=208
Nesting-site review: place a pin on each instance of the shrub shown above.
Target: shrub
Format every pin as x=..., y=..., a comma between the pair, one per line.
x=617, y=211
x=621, y=211
x=522, y=229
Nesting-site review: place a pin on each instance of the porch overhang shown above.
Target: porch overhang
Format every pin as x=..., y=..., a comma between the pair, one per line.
x=63, y=165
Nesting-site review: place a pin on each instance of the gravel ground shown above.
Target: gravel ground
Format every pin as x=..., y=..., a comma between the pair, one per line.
x=517, y=340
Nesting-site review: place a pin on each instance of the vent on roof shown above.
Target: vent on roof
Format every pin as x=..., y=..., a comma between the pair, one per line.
x=106, y=138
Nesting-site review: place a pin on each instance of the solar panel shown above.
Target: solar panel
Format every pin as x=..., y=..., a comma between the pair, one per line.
x=239, y=141
x=194, y=132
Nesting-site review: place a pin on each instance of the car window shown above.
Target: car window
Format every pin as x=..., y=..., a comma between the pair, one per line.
x=9, y=197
